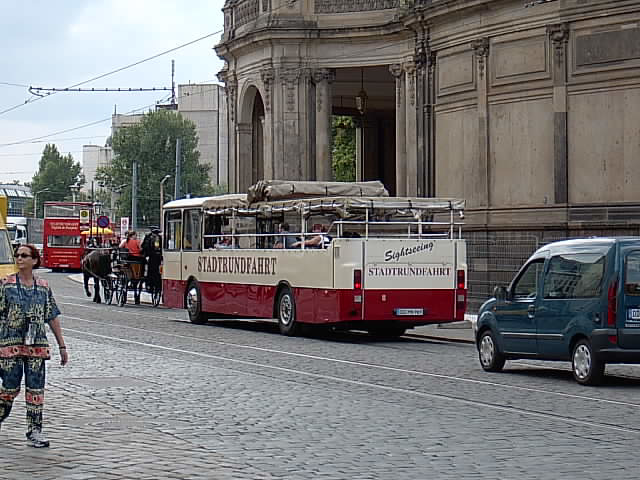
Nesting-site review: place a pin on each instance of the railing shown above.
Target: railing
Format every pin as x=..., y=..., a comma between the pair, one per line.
x=342, y=6
x=245, y=12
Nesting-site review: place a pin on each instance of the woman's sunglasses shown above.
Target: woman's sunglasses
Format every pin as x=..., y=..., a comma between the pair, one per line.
x=23, y=255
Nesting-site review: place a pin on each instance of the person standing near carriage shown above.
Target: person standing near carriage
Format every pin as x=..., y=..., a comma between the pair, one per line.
x=152, y=251
x=136, y=260
x=26, y=305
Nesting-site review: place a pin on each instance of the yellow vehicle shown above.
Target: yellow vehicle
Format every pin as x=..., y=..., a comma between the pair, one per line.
x=7, y=260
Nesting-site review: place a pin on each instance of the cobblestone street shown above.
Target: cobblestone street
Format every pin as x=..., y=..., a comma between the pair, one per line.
x=148, y=395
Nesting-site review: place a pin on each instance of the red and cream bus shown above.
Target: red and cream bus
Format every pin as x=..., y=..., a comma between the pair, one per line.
x=63, y=245
x=385, y=264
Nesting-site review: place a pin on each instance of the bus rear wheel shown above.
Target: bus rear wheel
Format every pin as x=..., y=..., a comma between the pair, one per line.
x=194, y=304
x=286, y=311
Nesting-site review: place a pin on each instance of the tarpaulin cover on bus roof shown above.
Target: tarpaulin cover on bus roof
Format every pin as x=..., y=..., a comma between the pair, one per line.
x=273, y=190
x=347, y=206
x=231, y=200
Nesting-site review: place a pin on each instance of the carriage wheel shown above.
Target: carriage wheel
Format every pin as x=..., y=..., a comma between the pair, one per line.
x=107, y=289
x=122, y=289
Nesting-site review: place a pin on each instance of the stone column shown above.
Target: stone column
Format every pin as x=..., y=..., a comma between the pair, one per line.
x=232, y=161
x=411, y=140
x=359, y=147
x=244, y=163
x=267, y=75
x=401, y=146
x=323, y=79
x=559, y=35
x=430, y=126
x=481, y=51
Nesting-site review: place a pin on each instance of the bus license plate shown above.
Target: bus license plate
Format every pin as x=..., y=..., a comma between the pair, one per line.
x=409, y=312
x=633, y=314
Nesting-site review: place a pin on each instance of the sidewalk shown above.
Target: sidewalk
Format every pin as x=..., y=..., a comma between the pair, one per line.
x=456, y=332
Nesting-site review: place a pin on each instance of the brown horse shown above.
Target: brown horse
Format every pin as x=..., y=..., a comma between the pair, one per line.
x=97, y=265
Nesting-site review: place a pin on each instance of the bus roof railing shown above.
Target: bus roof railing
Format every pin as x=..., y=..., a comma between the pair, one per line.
x=341, y=206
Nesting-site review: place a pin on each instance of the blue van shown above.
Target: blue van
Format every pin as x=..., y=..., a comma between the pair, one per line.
x=575, y=300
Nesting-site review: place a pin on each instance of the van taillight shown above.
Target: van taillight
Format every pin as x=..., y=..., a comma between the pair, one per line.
x=357, y=279
x=460, y=279
x=612, y=304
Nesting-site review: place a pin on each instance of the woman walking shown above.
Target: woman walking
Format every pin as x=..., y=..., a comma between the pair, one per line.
x=26, y=305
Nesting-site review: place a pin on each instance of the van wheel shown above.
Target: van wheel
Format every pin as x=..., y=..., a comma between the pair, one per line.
x=286, y=310
x=490, y=357
x=194, y=304
x=587, y=368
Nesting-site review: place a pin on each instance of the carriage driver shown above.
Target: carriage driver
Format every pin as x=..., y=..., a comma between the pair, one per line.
x=152, y=251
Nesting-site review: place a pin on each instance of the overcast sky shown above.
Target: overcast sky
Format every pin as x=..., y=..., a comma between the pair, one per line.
x=59, y=44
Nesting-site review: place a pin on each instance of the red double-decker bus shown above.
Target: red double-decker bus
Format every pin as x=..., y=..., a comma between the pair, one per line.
x=63, y=245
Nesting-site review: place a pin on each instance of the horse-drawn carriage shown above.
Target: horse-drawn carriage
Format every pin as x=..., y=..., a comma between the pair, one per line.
x=120, y=273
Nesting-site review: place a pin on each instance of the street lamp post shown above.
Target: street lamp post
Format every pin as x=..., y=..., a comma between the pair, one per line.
x=75, y=189
x=166, y=177
x=35, y=201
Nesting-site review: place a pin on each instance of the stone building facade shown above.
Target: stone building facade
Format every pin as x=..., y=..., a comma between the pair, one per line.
x=527, y=109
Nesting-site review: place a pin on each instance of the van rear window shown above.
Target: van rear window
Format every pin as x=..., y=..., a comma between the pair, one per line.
x=632, y=274
x=575, y=276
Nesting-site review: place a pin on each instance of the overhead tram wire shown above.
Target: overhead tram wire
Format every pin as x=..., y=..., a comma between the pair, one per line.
x=31, y=140
x=299, y=69
x=32, y=100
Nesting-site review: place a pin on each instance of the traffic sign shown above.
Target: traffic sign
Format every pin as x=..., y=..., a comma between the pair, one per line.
x=85, y=217
x=103, y=221
x=124, y=225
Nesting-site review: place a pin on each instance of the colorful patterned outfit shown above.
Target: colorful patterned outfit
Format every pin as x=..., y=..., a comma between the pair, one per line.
x=21, y=306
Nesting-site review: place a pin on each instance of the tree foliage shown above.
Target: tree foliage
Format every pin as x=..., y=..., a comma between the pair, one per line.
x=56, y=173
x=343, y=154
x=152, y=143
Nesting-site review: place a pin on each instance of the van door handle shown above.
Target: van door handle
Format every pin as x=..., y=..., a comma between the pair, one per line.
x=531, y=311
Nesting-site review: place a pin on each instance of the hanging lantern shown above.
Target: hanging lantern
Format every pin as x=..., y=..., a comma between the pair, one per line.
x=361, y=98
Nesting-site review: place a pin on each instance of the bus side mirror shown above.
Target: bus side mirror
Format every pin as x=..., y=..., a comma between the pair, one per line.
x=500, y=293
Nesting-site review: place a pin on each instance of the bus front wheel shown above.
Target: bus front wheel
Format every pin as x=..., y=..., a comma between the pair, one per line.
x=194, y=304
x=286, y=310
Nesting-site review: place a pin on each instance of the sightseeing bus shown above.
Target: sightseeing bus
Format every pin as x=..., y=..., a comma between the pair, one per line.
x=63, y=245
x=389, y=264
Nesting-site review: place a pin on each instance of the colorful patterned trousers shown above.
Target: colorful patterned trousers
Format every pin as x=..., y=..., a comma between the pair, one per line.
x=11, y=370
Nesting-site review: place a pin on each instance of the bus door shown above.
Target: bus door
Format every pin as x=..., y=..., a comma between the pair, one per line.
x=172, y=259
x=348, y=277
x=191, y=242
x=409, y=280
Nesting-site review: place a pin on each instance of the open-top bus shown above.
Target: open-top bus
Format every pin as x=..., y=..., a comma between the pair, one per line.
x=391, y=264
x=63, y=246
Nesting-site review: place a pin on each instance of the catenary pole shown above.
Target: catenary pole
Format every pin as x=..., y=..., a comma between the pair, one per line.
x=177, y=192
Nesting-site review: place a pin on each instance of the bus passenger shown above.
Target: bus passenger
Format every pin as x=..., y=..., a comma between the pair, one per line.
x=224, y=242
x=285, y=240
x=321, y=240
x=136, y=261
